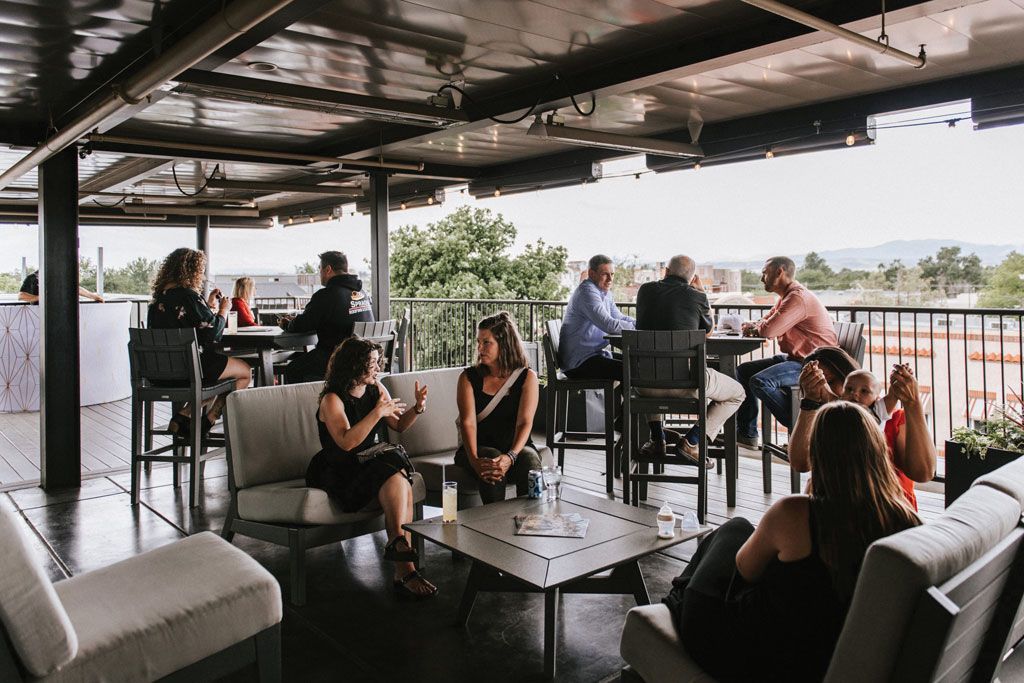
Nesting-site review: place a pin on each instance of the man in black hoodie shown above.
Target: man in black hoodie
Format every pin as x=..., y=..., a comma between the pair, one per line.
x=331, y=313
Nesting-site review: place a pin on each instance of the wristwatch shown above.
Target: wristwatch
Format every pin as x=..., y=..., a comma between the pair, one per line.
x=810, y=404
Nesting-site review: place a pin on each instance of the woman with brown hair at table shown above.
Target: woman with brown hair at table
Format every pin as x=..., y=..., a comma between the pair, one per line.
x=497, y=400
x=241, y=294
x=177, y=303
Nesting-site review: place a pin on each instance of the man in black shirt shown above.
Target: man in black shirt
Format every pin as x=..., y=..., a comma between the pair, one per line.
x=331, y=313
x=679, y=303
x=30, y=290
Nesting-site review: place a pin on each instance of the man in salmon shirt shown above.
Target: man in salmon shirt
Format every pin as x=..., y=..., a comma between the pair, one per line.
x=801, y=324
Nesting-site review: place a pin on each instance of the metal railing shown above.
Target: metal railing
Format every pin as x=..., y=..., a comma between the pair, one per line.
x=967, y=360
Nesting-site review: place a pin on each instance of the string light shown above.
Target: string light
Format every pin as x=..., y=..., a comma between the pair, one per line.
x=696, y=166
x=310, y=219
x=402, y=206
x=290, y=220
x=497, y=192
x=769, y=154
x=850, y=140
x=430, y=200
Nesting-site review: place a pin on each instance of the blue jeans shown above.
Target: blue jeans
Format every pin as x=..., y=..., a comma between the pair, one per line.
x=766, y=379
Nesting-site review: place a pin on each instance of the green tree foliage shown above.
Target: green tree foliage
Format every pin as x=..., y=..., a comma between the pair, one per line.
x=306, y=268
x=950, y=271
x=87, y=273
x=1006, y=285
x=133, y=278
x=466, y=255
x=750, y=281
x=815, y=273
x=10, y=282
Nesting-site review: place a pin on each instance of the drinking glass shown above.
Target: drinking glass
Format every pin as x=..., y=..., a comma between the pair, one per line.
x=553, y=483
x=449, y=502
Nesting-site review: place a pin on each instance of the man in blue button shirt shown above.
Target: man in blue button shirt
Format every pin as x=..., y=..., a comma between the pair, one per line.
x=590, y=315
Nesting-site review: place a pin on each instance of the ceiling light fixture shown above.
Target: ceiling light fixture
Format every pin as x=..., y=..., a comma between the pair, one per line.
x=402, y=206
x=430, y=200
x=262, y=67
x=696, y=166
x=769, y=154
x=626, y=143
x=850, y=140
x=497, y=192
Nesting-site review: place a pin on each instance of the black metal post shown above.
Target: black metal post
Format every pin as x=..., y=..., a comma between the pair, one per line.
x=379, y=246
x=203, y=245
x=60, y=420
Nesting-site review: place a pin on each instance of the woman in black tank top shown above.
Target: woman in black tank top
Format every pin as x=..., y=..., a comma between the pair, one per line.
x=496, y=448
x=781, y=591
x=354, y=414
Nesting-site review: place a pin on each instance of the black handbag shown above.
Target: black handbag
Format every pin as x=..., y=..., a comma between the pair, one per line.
x=392, y=455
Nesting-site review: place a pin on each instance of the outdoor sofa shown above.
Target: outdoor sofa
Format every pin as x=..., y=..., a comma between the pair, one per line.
x=928, y=599
x=192, y=610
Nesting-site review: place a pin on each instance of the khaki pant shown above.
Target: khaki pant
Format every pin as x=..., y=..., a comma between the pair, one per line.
x=724, y=395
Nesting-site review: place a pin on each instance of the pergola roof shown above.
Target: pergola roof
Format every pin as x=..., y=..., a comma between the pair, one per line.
x=353, y=79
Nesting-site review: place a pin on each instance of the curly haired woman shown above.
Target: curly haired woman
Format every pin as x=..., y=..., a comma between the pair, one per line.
x=177, y=304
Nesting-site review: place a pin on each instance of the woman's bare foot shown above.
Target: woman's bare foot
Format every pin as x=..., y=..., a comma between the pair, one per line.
x=410, y=583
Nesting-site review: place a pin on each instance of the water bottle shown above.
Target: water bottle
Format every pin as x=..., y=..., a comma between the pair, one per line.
x=666, y=522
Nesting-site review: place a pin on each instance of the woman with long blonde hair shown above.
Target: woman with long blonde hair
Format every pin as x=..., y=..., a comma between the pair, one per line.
x=782, y=589
x=497, y=401
x=177, y=303
x=240, y=296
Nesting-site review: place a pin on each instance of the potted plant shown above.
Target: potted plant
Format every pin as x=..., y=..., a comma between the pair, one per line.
x=972, y=453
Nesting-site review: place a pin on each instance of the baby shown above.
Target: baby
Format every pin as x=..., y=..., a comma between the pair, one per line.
x=864, y=388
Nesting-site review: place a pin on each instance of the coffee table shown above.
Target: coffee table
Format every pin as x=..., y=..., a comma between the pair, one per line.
x=618, y=536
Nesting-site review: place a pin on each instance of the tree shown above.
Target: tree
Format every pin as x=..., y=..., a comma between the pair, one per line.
x=816, y=273
x=950, y=271
x=750, y=281
x=1006, y=285
x=11, y=281
x=133, y=278
x=87, y=273
x=306, y=268
x=466, y=255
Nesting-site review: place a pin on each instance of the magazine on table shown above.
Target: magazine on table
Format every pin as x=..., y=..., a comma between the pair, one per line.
x=569, y=525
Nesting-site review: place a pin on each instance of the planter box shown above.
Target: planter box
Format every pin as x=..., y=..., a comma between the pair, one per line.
x=961, y=471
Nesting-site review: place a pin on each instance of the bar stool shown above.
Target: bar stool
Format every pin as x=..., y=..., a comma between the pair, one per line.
x=851, y=339
x=559, y=439
x=165, y=368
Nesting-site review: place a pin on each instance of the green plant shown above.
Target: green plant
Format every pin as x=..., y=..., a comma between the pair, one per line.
x=1006, y=432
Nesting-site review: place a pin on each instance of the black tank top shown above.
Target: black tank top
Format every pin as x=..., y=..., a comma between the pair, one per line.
x=356, y=408
x=497, y=430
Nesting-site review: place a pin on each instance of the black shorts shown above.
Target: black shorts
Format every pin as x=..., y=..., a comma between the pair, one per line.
x=212, y=365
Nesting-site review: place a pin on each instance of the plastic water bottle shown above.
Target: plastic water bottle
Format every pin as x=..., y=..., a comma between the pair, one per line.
x=690, y=522
x=666, y=522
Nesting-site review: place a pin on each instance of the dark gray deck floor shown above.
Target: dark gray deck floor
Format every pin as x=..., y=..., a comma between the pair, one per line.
x=353, y=628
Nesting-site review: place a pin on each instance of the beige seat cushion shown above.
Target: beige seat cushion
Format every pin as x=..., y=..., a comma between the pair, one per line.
x=158, y=612
x=435, y=430
x=1009, y=479
x=36, y=622
x=651, y=646
x=896, y=571
x=292, y=502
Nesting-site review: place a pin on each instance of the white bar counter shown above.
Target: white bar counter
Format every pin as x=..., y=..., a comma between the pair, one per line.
x=103, y=351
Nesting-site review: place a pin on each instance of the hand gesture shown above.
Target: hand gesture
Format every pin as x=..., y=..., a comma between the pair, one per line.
x=215, y=294
x=696, y=283
x=903, y=385
x=493, y=470
x=749, y=329
x=283, y=321
x=224, y=305
x=388, y=407
x=813, y=383
x=421, y=397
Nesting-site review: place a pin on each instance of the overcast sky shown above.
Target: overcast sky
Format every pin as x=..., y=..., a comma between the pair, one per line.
x=915, y=183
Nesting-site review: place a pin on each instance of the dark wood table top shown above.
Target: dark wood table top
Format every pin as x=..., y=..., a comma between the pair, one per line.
x=267, y=337
x=717, y=344
x=617, y=534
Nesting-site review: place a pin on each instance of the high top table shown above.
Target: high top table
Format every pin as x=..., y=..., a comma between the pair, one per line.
x=618, y=536
x=726, y=348
x=264, y=340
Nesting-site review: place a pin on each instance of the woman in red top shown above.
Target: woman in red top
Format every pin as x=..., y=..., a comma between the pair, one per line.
x=911, y=449
x=243, y=291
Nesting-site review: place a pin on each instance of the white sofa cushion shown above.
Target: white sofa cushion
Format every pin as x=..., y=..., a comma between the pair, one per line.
x=435, y=430
x=155, y=613
x=36, y=622
x=273, y=432
x=292, y=502
x=651, y=646
x=897, y=570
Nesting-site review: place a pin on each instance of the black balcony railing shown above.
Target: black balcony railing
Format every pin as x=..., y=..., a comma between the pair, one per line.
x=967, y=360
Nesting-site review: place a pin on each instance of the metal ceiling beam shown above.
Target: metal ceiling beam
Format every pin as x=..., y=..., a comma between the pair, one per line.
x=122, y=175
x=641, y=69
x=258, y=187
x=282, y=94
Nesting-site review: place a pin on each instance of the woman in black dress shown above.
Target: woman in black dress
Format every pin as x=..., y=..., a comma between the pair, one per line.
x=780, y=592
x=497, y=448
x=353, y=418
x=176, y=304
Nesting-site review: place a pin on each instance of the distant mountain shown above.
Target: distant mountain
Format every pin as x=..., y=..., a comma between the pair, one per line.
x=908, y=251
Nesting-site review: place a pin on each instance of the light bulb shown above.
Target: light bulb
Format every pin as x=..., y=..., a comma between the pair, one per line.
x=497, y=192
x=769, y=154
x=430, y=200
x=696, y=166
x=310, y=219
x=850, y=140
x=290, y=220
x=402, y=206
